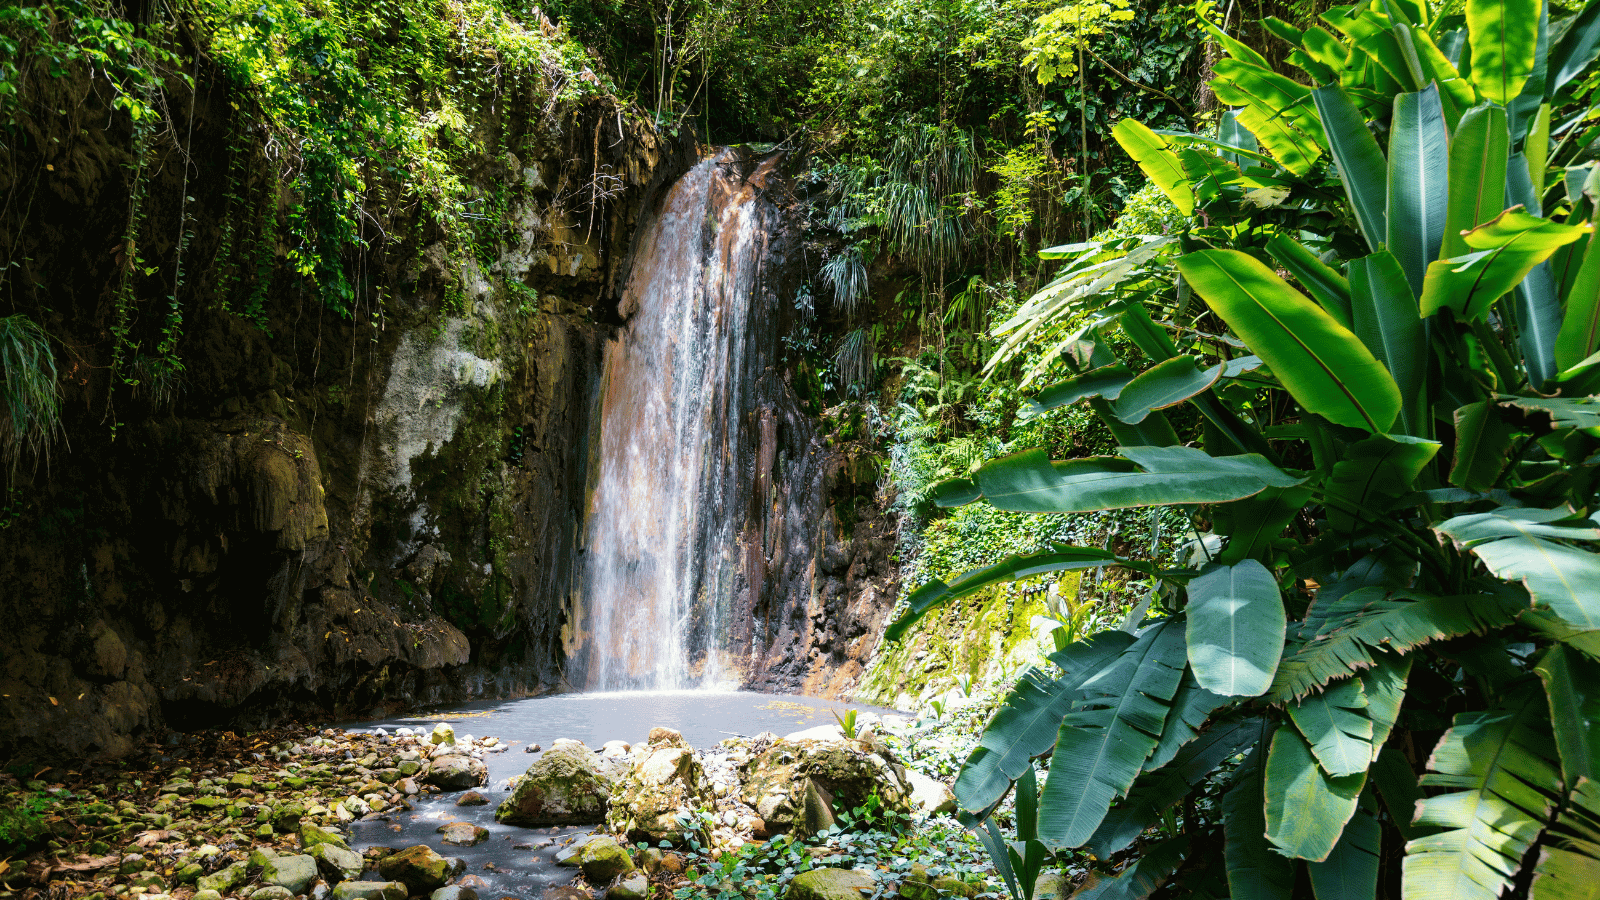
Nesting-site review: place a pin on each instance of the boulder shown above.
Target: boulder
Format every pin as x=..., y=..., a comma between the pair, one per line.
x=1052, y=886
x=930, y=795
x=442, y=734
x=919, y=885
x=603, y=860
x=803, y=785
x=419, y=868
x=454, y=772
x=293, y=872
x=337, y=863
x=271, y=892
x=369, y=890
x=665, y=781
x=830, y=884
x=463, y=834
x=563, y=787
x=633, y=886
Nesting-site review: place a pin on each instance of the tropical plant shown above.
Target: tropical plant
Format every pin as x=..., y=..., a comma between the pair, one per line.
x=1391, y=636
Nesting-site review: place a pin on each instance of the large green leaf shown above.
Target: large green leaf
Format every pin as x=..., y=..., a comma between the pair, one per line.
x=1576, y=49
x=1306, y=807
x=1572, y=686
x=1147, y=872
x=1505, y=249
x=1515, y=545
x=1192, y=705
x=1351, y=871
x=1397, y=785
x=1481, y=147
x=1155, y=792
x=1252, y=524
x=1158, y=160
x=1275, y=110
x=1025, y=725
x=1236, y=628
x=1164, y=384
x=1498, y=768
x=1321, y=363
x=1504, y=35
x=1569, y=865
x=1483, y=445
x=1538, y=308
x=1418, y=196
x=1564, y=412
x=1361, y=164
x=1106, y=381
x=1385, y=687
x=1384, y=315
x=1061, y=558
x=1580, y=328
x=1327, y=287
x=1375, y=472
x=1255, y=871
x=1102, y=745
x=1368, y=621
x=1336, y=726
x=1149, y=476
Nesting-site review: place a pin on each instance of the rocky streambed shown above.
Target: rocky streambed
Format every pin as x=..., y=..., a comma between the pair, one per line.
x=408, y=813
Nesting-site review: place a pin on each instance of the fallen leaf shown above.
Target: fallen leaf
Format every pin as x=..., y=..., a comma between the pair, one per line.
x=54, y=702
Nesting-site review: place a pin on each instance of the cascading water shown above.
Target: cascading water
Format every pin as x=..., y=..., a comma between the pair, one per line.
x=661, y=537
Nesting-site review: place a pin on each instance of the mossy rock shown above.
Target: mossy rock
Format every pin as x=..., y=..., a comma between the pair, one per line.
x=603, y=860
x=564, y=787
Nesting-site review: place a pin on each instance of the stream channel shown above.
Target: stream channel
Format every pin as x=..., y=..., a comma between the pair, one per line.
x=520, y=862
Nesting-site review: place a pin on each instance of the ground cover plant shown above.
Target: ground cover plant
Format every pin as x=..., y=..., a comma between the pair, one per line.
x=1378, y=678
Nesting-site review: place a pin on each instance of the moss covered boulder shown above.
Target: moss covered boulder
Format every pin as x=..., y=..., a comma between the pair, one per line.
x=564, y=787
x=419, y=868
x=665, y=781
x=603, y=861
x=803, y=785
x=830, y=884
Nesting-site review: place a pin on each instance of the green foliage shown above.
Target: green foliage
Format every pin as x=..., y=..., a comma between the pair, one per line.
x=1398, y=480
x=30, y=391
x=23, y=824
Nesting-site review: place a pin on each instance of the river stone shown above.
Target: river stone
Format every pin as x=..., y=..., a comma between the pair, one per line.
x=271, y=892
x=454, y=892
x=222, y=880
x=286, y=817
x=930, y=795
x=633, y=886
x=1052, y=886
x=293, y=872
x=463, y=834
x=207, y=895
x=603, y=860
x=472, y=798
x=920, y=886
x=454, y=772
x=337, y=863
x=665, y=781
x=442, y=734
x=369, y=890
x=421, y=869
x=830, y=884
x=808, y=783
x=563, y=787
x=311, y=836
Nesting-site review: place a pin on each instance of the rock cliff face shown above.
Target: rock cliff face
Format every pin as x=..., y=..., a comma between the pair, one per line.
x=321, y=514
x=317, y=514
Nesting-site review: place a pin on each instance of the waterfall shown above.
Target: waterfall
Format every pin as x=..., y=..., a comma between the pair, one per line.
x=661, y=535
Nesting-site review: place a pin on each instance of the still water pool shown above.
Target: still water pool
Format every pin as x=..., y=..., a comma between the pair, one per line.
x=520, y=862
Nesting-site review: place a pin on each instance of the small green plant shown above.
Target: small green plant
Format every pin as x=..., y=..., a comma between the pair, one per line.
x=847, y=722
x=24, y=824
x=30, y=394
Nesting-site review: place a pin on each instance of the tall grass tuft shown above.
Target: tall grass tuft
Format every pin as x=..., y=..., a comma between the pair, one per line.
x=846, y=274
x=854, y=361
x=919, y=194
x=30, y=394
